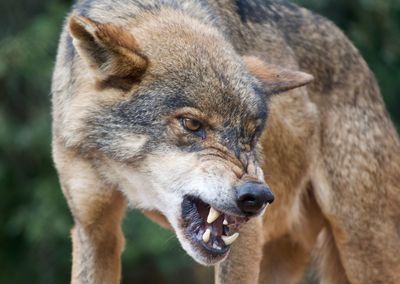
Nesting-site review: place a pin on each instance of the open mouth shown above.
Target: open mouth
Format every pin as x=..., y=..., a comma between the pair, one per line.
x=210, y=231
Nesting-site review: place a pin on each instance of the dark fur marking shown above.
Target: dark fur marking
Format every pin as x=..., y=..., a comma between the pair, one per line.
x=250, y=11
x=273, y=12
x=117, y=82
x=262, y=103
x=230, y=139
x=177, y=101
x=259, y=11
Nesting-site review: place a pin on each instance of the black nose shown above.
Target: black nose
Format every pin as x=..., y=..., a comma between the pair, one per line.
x=252, y=197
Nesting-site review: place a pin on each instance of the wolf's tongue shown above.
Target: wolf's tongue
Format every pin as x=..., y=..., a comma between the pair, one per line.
x=216, y=225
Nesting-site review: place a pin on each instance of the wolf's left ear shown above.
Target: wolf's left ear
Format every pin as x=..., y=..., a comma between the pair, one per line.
x=111, y=52
x=275, y=78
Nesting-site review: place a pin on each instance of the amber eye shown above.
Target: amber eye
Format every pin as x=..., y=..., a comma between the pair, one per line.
x=191, y=124
x=194, y=126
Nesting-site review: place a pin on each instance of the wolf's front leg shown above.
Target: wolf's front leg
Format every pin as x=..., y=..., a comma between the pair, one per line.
x=98, y=211
x=243, y=263
x=98, y=240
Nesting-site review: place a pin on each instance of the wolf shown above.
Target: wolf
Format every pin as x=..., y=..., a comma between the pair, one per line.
x=201, y=113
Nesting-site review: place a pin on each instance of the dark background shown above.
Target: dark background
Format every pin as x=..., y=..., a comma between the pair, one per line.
x=34, y=219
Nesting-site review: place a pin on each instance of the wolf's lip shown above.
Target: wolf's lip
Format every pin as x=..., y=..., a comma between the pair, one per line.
x=208, y=229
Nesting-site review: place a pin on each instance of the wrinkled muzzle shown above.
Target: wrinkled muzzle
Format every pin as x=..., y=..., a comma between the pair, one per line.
x=212, y=224
x=205, y=201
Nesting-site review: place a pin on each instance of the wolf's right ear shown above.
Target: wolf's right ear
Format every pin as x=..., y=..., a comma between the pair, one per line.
x=276, y=79
x=111, y=52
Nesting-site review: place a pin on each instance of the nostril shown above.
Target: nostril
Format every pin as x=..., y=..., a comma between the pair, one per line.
x=248, y=198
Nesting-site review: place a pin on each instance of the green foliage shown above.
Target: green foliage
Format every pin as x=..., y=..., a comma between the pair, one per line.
x=35, y=221
x=35, y=225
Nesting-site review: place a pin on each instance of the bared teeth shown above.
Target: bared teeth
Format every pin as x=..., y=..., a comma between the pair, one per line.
x=225, y=222
x=216, y=246
x=212, y=215
x=228, y=240
x=206, y=235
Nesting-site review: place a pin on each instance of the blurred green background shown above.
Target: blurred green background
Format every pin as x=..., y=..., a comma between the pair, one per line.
x=34, y=219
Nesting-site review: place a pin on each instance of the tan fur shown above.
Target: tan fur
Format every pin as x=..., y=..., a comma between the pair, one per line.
x=125, y=61
x=158, y=218
x=329, y=152
x=97, y=237
x=276, y=78
x=241, y=268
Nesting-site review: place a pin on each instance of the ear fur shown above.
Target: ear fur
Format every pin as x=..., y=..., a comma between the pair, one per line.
x=111, y=52
x=276, y=79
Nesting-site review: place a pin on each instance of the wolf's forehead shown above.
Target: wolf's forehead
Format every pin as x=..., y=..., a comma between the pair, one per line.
x=237, y=98
x=236, y=105
x=215, y=89
x=231, y=100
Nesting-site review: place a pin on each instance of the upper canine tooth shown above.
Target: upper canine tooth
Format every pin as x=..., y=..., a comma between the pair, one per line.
x=225, y=222
x=228, y=240
x=212, y=215
x=206, y=235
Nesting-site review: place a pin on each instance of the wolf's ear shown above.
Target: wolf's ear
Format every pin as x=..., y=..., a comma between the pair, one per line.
x=276, y=79
x=111, y=52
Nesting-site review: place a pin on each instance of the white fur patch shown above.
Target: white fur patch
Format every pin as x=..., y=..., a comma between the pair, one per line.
x=164, y=178
x=129, y=145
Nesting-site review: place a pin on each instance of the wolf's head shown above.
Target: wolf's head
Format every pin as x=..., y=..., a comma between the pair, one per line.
x=171, y=114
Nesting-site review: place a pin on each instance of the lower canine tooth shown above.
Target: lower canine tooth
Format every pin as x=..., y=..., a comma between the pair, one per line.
x=206, y=235
x=228, y=240
x=225, y=222
x=212, y=215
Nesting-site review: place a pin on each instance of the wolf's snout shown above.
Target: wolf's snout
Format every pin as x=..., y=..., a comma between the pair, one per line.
x=253, y=197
